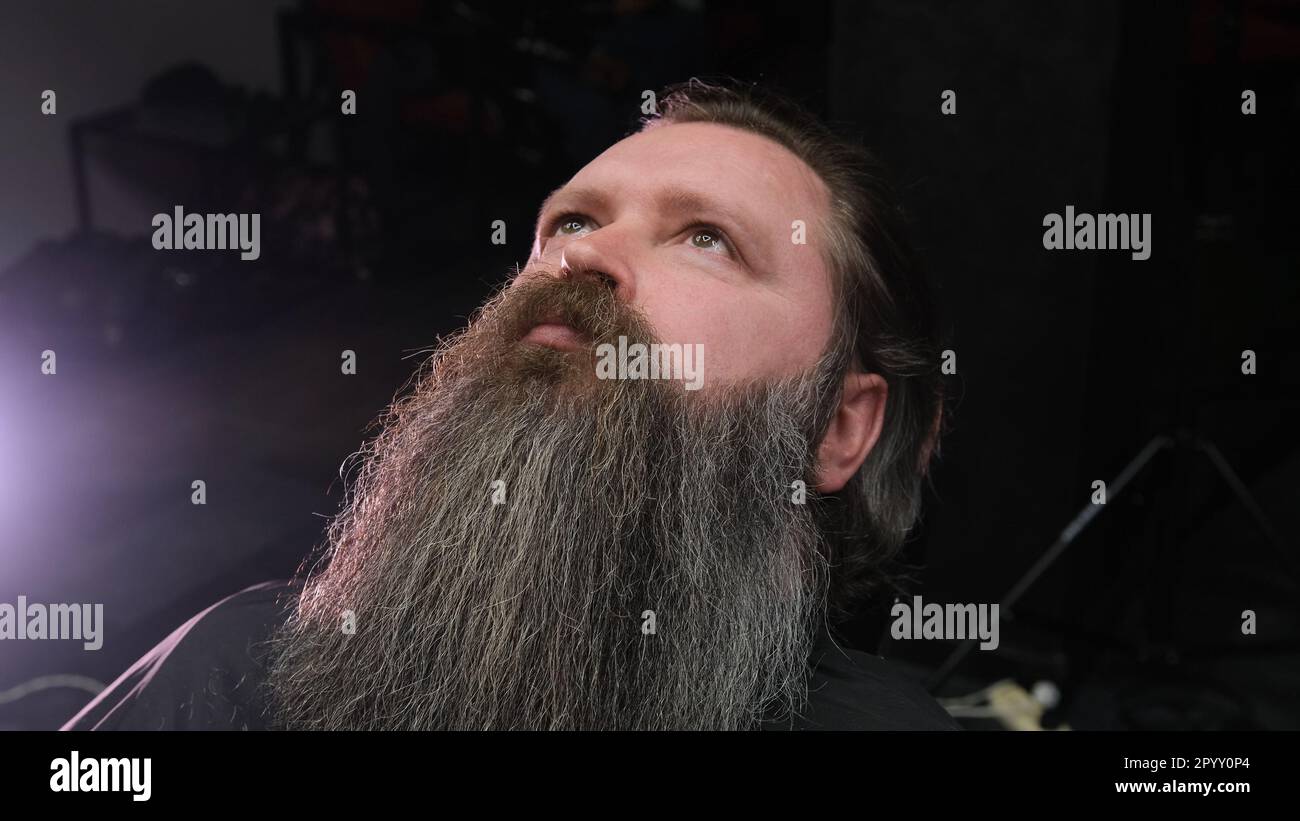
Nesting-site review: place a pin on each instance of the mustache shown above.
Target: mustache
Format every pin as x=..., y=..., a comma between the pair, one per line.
x=585, y=303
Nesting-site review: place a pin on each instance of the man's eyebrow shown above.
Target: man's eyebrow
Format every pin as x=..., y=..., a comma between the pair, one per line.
x=673, y=199
x=685, y=200
x=579, y=194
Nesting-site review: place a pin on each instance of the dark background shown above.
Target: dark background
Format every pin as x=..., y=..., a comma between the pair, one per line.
x=376, y=238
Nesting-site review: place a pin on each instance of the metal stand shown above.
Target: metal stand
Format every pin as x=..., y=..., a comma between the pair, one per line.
x=1091, y=511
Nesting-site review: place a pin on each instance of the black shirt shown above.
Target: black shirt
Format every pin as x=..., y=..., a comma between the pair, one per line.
x=207, y=674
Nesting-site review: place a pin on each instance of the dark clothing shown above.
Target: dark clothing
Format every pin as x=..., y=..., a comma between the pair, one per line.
x=207, y=674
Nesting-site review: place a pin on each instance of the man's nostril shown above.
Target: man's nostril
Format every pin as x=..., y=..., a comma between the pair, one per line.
x=600, y=276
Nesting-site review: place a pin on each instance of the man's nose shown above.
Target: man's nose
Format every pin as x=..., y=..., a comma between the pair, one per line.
x=588, y=257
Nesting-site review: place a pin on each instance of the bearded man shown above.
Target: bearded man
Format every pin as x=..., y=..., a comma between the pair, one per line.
x=533, y=542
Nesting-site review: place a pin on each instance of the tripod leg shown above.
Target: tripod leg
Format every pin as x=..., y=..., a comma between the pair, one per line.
x=1248, y=501
x=1063, y=541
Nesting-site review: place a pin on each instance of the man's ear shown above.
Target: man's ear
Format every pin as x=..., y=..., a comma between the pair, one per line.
x=853, y=430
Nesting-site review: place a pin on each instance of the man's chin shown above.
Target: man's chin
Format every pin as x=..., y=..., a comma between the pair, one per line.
x=533, y=366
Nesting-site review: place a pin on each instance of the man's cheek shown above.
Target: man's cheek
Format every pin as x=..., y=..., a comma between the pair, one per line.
x=715, y=332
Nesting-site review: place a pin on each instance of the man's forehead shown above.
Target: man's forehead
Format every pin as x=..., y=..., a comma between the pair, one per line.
x=731, y=167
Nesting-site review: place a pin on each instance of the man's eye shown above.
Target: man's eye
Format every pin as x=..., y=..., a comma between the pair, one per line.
x=709, y=238
x=704, y=237
x=569, y=223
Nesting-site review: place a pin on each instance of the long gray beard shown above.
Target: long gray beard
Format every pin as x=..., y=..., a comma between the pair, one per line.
x=647, y=568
